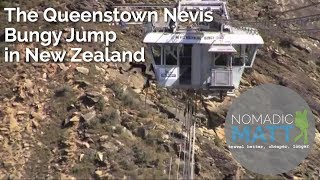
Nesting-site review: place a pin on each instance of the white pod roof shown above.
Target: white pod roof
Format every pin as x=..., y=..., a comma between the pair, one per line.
x=202, y=38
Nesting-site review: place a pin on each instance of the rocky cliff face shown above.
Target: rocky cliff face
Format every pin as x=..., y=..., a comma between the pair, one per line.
x=94, y=121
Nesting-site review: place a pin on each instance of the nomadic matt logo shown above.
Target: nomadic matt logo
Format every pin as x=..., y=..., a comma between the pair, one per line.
x=270, y=129
x=301, y=122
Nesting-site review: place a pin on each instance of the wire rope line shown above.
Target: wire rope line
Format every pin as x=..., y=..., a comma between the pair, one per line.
x=299, y=8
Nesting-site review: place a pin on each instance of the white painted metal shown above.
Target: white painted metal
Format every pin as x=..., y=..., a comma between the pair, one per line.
x=167, y=75
x=221, y=77
x=202, y=38
x=222, y=48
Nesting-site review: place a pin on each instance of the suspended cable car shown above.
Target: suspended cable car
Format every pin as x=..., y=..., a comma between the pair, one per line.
x=207, y=56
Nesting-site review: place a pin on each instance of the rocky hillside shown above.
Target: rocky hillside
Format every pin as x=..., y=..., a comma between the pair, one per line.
x=94, y=121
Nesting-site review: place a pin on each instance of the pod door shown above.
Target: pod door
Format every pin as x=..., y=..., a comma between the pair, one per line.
x=185, y=64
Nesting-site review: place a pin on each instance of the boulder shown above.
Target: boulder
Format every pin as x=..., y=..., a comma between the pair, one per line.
x=110, y=147
x=165, y=137
x=142, y=132
x=66, y=177
x=103, y=138
x=93, y=96
x=13, y=124
x=83, y=70
x=81, y=157
x=86, y=5
x=83, y=144
x=99, y=156
x=89, y=116
x=37, y=116
x=102, y=174
x=35, y=124
x=302, y=44
x=75, y=119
